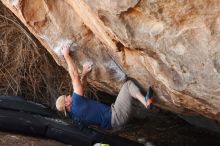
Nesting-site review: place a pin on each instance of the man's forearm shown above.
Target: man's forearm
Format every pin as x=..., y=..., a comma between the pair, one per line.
x=84, y=79
x=72, y=68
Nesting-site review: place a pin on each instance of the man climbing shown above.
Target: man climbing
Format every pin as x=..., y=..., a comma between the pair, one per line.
x=95, y=113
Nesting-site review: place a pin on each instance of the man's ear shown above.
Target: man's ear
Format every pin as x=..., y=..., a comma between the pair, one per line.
x=66, y=104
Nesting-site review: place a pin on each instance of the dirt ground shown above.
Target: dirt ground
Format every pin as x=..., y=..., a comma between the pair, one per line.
x=12, y=139
x=164, y=128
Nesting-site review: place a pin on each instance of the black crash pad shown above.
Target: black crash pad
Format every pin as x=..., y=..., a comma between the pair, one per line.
x=19, y=104
x=18, y=115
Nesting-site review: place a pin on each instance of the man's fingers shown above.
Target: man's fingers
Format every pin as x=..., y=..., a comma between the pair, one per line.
x=87, y=66
x=66, y=46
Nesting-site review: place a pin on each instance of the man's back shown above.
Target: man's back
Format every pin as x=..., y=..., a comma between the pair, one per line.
x=90, y=112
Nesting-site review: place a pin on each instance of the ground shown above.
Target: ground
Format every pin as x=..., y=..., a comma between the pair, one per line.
x=12, y=139
x=165, y=128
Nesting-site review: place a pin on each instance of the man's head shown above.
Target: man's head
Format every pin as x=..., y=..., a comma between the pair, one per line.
x=64, y=102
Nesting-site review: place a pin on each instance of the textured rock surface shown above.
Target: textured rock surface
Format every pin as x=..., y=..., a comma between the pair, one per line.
x=172, y=45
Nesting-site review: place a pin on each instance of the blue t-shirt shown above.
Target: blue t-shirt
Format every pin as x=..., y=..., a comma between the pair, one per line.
x=90, y=112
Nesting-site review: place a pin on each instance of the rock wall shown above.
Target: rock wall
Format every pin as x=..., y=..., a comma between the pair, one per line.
x=172, y=45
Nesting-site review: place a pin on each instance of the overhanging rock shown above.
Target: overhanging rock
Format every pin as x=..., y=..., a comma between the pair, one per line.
x=173, y=46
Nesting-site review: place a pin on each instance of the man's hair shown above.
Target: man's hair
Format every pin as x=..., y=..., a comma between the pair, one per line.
x=60, y=104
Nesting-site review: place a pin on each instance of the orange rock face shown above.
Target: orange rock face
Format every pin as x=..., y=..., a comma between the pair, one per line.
x=173, y=46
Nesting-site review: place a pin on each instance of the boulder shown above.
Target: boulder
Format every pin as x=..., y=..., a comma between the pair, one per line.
x=173, y=46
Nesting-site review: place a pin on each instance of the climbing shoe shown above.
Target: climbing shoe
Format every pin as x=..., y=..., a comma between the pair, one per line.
x=149, y=99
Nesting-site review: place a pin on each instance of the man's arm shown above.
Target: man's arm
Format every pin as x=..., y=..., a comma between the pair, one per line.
x=72, y=69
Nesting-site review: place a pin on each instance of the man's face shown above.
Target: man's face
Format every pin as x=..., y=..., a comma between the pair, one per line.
x=68, y=100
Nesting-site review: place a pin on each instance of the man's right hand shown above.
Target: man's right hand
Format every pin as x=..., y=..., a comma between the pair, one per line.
x=66, y=50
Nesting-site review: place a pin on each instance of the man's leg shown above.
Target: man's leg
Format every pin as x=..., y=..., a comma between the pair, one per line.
x=139, y=96
x=121, y=110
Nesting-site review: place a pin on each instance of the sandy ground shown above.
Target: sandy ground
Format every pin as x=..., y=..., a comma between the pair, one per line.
x=167, y=129
x=11, y=139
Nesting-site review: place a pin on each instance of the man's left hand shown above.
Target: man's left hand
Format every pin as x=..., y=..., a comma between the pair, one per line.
x=87, y=67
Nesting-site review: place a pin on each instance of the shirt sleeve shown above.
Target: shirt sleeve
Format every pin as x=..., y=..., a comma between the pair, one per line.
x=77, y=98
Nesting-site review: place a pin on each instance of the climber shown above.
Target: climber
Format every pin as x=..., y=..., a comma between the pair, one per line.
x=91, y=112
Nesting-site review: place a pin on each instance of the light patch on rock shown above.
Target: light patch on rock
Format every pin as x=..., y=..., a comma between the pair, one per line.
x=163, y=98
x=153, y=28
x=156, y=29
x=216, y=62
x=64, y=42
x=14, y=2
x=15, y=137
x=163, y=59
x=155, y=70
x=118, y=74
x=112, y=6
x=46, y=39
x=179, y=49
x=152, y=1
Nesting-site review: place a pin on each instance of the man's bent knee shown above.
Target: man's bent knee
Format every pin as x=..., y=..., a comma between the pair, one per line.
x=128, y=82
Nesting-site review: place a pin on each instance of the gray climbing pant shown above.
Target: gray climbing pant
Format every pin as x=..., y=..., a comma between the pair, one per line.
x=121, y=109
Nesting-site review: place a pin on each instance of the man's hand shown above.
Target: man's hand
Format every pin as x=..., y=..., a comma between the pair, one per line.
x=66, y=50
x=87, y=67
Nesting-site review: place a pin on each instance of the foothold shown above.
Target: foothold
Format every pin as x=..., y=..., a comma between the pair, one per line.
x=57, y=49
